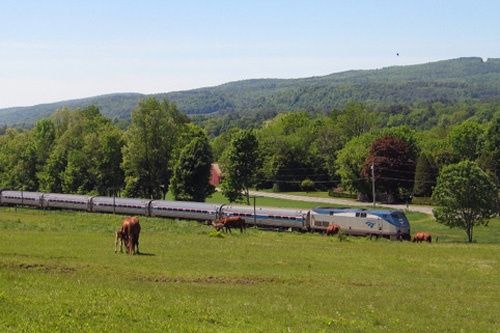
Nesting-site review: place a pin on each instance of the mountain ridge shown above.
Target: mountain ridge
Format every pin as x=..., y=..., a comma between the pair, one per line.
x=454, y=79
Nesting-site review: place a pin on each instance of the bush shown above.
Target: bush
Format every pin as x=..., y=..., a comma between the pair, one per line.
x=307, y=185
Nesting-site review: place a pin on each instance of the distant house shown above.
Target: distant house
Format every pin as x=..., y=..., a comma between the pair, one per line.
x=215, y=174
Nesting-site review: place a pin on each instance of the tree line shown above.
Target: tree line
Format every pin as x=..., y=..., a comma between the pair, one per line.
x=80, y=151
x=83, y=152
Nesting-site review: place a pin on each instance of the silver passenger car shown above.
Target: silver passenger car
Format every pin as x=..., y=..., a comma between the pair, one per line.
x=66, y=201
x=270, y=217
x=199, y=211
x=22, y=198
x=125, y=206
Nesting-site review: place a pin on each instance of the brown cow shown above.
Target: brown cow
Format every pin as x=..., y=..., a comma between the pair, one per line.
x=121, y=237
x=229, y=222
x=332, y=229
x=131, y=228
x=422, y=237
x=217, y=225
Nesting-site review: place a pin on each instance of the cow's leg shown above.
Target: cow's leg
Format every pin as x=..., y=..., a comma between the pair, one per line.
x=119, y=238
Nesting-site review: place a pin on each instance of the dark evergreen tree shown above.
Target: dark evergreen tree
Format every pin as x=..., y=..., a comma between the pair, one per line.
x=425, y=176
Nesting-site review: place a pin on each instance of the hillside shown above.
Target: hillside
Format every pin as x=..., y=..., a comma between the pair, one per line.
x=447, y=80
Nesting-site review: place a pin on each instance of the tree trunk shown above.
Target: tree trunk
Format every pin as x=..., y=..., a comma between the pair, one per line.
x=469, y=232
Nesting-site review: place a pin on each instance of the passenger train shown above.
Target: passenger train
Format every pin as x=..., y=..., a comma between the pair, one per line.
x=391, y=224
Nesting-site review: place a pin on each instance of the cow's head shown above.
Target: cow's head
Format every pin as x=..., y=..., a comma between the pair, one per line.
x=217, y=225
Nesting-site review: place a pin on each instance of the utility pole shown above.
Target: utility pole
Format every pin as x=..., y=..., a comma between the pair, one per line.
x=254, y=212
x=373, y=182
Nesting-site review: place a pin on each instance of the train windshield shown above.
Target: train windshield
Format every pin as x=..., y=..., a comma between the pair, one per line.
x=399, y=218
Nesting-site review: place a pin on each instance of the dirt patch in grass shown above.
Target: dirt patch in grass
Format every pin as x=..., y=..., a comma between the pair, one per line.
x=213, y=280
x=46, y=268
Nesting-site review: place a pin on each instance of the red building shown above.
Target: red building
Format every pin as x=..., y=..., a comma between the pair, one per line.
x=215, y=174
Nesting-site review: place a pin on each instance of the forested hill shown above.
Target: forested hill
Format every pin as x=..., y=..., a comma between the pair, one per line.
x=448, y=80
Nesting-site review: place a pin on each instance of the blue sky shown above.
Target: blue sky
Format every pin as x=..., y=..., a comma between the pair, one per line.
x=52, y=51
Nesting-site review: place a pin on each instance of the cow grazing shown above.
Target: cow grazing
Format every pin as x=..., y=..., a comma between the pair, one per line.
x=121, y=237
x=422, y=237
x=131, y=228
x=230, y=222
x=217, y=225
x=332, y=229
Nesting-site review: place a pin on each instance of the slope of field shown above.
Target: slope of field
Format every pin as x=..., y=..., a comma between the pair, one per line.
x=58, y=272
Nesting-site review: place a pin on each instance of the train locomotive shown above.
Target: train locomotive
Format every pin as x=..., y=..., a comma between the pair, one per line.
x=391, y=224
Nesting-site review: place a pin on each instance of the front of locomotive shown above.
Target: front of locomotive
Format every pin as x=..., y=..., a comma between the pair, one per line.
x=401, y=225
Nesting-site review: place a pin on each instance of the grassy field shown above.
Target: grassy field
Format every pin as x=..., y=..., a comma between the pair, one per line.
x=59, y=273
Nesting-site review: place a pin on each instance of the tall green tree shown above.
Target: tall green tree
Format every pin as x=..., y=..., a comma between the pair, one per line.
x=354, y=120
x=349, y=164
x=30, y=150
x=289, y=152
x=150, y=141
x=239, y=166
x=16, y=160
x=26, y=153
x=466, y=197
x=490, y=155
x=86, y=155
x=329, y=140
x=466, y=141
x=191, y=176
x=50, y=177
x=44, y=136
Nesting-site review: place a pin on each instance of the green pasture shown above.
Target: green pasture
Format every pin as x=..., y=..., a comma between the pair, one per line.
x=59, y=273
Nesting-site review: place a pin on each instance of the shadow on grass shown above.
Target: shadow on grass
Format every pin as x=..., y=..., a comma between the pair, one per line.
x=146, y=254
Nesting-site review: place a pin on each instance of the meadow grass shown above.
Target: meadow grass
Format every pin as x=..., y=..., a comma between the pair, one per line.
x=59, y=273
